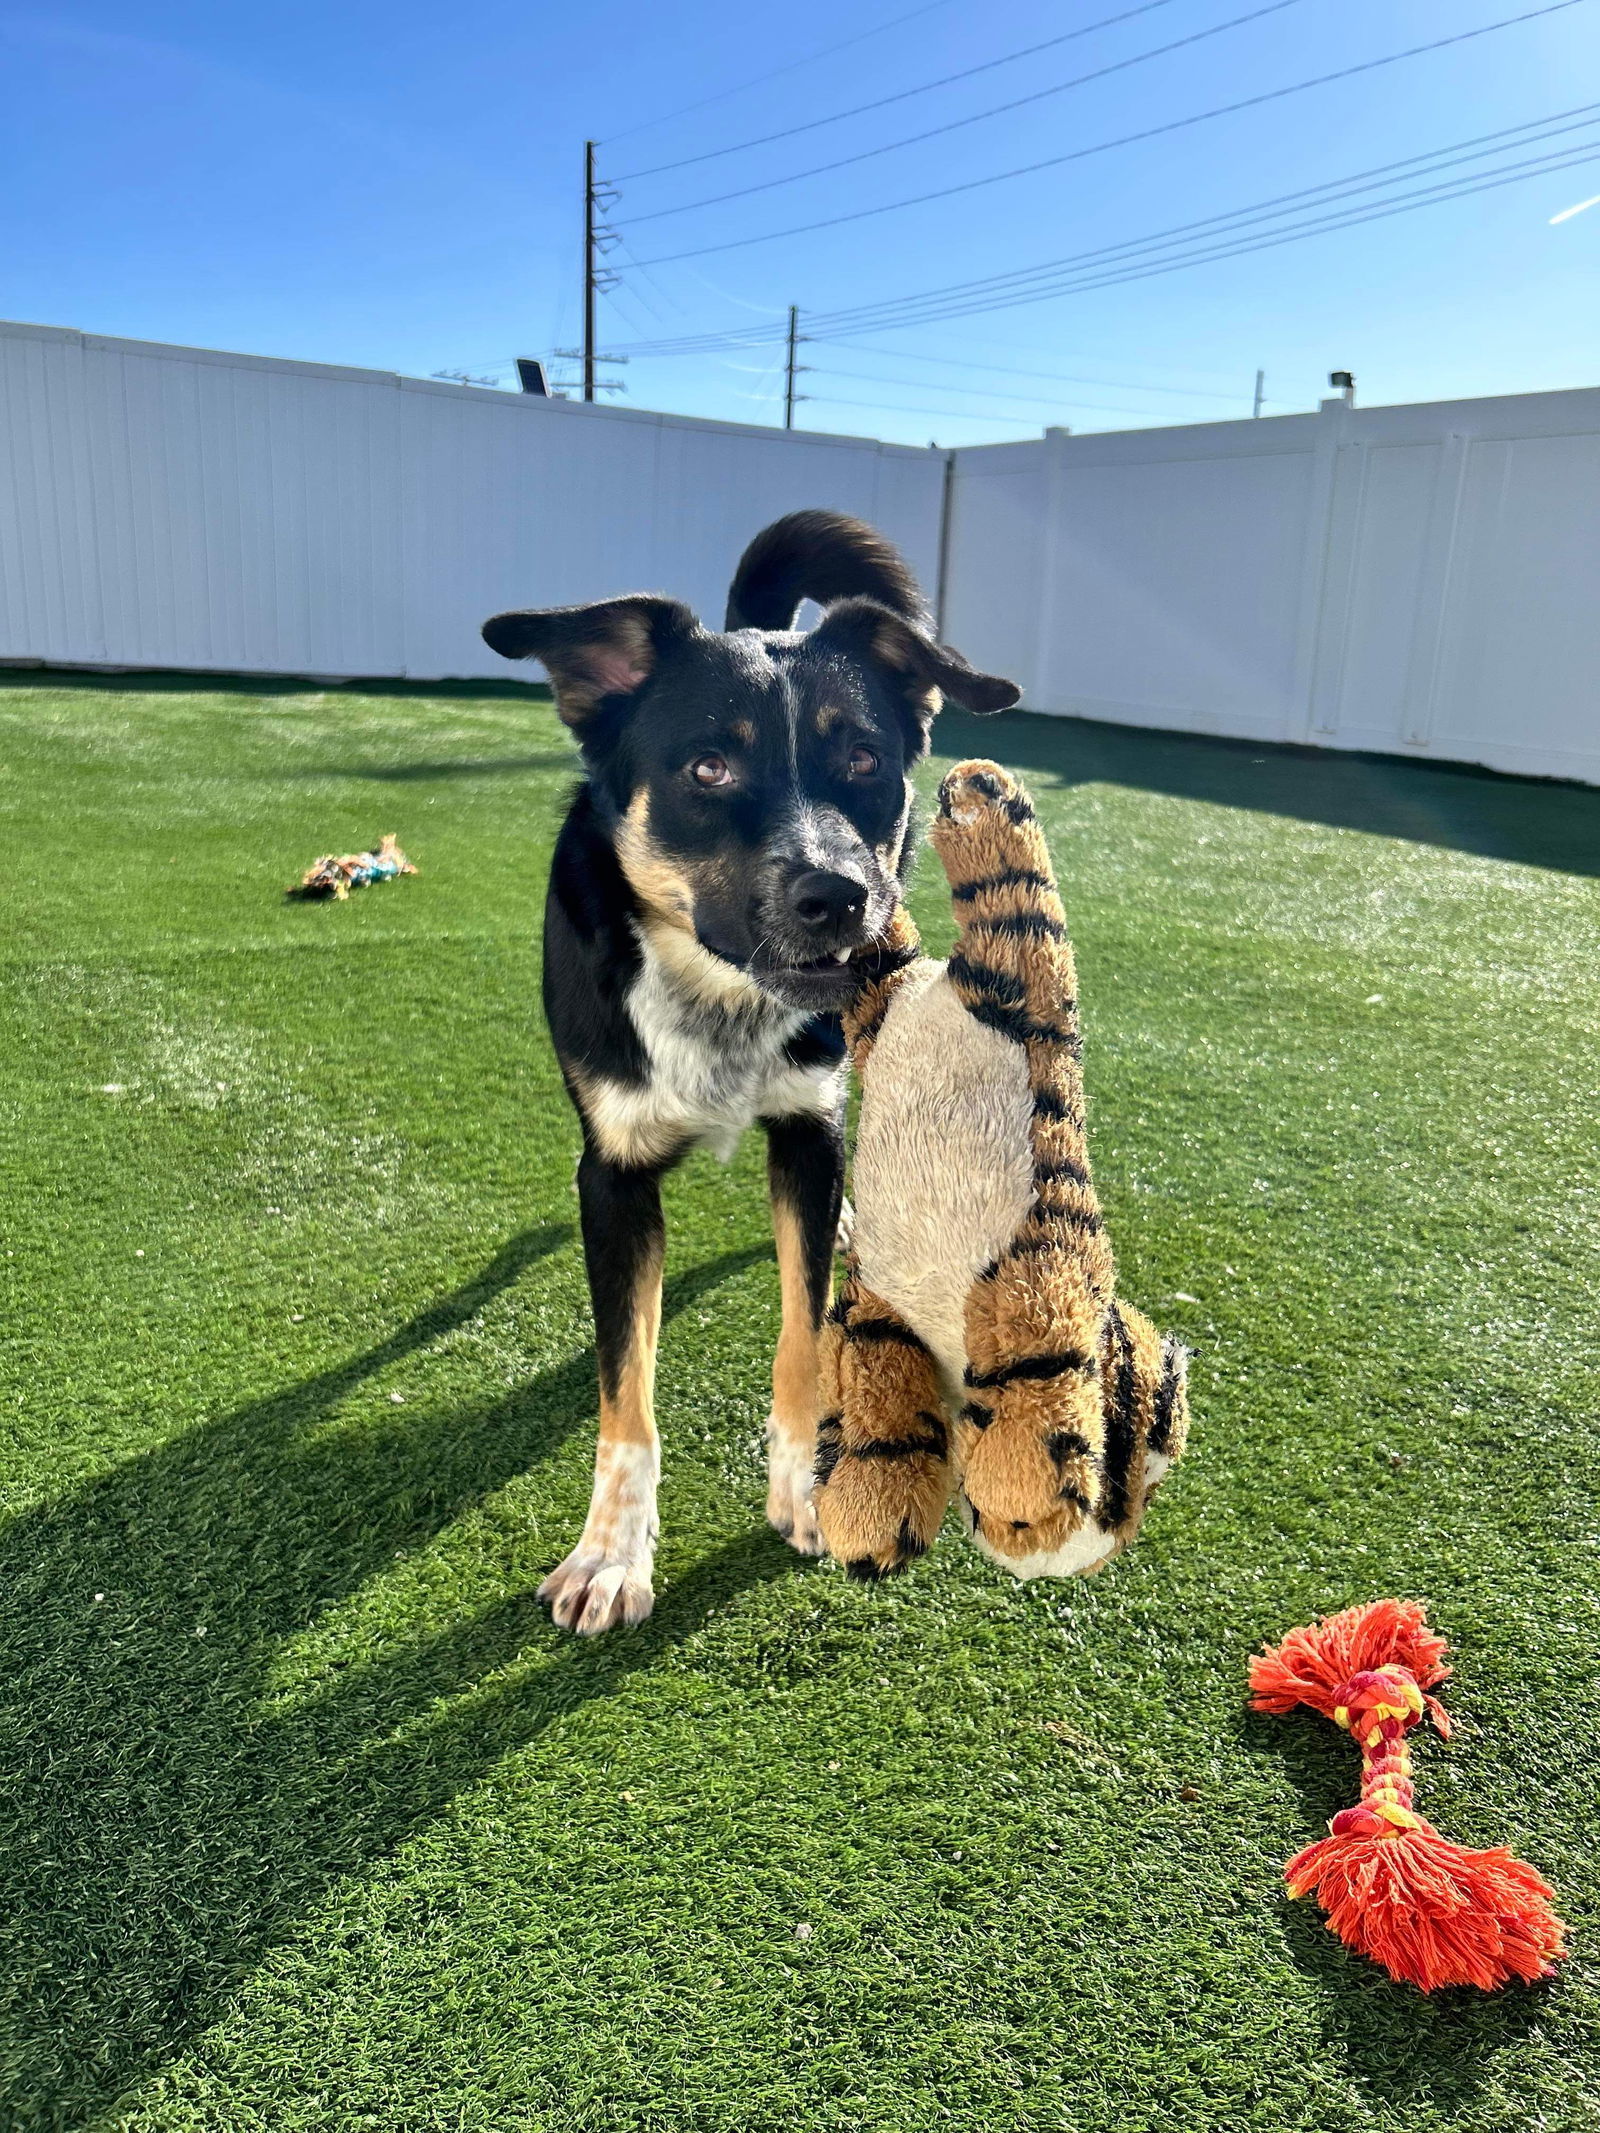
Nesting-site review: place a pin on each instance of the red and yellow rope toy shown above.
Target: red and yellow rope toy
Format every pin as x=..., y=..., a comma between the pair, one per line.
x=1432, y=1912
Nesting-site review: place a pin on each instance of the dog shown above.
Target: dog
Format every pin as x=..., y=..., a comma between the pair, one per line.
x=742, y=830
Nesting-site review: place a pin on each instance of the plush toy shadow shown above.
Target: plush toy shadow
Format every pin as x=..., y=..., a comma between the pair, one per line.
x=978, y=1343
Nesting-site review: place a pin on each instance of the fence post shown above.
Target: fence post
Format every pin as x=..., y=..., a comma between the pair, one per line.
x=1042, y=692
x=1333, y=420
x=1434, y=594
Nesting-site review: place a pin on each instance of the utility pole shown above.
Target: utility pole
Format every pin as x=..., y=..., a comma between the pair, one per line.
x=598, y=238
x=1261, y=379
x=588, y=270
x=791, y=368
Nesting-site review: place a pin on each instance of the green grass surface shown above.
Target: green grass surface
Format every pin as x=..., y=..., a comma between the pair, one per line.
x=312, y=1820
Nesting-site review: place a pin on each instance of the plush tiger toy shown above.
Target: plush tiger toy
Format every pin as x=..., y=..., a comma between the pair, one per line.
x=978, y=1341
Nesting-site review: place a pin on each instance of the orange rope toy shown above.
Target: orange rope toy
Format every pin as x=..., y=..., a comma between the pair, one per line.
x=1432, y=1912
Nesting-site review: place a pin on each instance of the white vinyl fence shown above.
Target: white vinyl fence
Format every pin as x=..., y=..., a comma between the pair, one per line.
x=1419, y=579
x=172, y=507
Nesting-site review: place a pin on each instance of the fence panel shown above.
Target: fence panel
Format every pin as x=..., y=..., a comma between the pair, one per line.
x=1417, y=580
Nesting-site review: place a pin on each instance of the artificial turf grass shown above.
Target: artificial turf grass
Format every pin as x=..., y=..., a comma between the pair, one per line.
x=379, y=1847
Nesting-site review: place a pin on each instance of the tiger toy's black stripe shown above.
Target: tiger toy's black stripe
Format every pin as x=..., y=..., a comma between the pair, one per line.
x=1030, y=1366
x=998, y=986
x=1020, y=925
x=1173, y=1357
x=1007, y=878
x=1120, y=1440
x=889, y=1330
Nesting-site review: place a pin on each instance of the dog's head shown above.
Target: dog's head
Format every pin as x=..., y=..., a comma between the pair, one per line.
x=756, y=779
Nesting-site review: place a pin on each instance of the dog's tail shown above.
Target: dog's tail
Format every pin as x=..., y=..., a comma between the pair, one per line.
x=821, y=556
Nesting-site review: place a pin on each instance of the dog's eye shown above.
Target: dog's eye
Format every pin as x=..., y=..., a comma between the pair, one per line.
x=862, y=762
x=711, y=770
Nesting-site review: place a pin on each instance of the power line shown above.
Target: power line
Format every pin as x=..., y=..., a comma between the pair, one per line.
x=990, y=392
x=1139, y=271
x=960, y=414
x=1010, y=370
x=1041, y=284
x=900, y=96
x=1474, y=149
x=789, y=66
x=1016, y=103
x=861, y=318
x=1246, y=103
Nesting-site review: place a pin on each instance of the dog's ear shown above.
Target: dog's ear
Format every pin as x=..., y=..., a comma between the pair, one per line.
x=924, y=672
x=590, y=653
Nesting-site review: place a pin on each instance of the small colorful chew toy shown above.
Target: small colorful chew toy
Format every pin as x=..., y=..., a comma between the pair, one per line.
x=1432, y=1912
x=337, y=877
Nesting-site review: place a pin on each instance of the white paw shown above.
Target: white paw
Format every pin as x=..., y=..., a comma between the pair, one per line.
x=1082, y=1553
x=790, y=1477
x=592, y=1591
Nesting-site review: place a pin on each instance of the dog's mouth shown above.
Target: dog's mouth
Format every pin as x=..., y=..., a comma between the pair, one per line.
x=828, y=984
x=817, y=981
x=829, y=980
x=818, y=964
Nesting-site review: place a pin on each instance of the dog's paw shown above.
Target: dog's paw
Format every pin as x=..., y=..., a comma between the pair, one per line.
x=592, y=1591
x=845, y=1235
x=790, y=1470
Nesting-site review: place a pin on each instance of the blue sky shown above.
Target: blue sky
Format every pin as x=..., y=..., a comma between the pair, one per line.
x=397, y=186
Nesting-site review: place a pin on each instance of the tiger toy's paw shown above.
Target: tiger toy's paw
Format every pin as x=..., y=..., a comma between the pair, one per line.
x=1024, y=1496
x=883, y=1448
x=986, y=826
x=977, y=790
x=1047, y=1500
x=880, y=1510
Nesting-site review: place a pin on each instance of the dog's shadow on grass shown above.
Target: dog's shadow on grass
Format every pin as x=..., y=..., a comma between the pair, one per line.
x=167, y=1821
x=1403, y=2048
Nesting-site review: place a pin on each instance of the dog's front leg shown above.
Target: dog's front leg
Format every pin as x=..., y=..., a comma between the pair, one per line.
x=606, y=1578
x=805, y=1173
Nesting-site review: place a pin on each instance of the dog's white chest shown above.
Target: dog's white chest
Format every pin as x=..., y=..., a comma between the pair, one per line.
x=715, y=1049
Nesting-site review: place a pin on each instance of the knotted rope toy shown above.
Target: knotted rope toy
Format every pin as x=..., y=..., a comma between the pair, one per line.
x=1431, y=1912
x=329, y=876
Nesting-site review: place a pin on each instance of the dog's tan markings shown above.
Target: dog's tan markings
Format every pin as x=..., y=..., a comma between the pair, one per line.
x=660, y=884
x=796, y=1397
x=827, y=716
x=627, y=1122
x=743, y=732
x=704, y=977
x=605, y=1581
x=668, y=892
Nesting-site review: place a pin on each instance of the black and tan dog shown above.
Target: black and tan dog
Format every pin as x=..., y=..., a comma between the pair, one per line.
x=741, y=833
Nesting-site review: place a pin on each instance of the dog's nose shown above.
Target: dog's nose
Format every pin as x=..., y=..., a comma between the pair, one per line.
x=820, y=900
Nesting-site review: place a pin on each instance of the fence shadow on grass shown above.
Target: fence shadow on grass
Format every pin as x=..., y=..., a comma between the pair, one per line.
x=1528, y=820
x=1402, y=2048
x=165, y=681
x=166, y=1820
x=501, y=766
